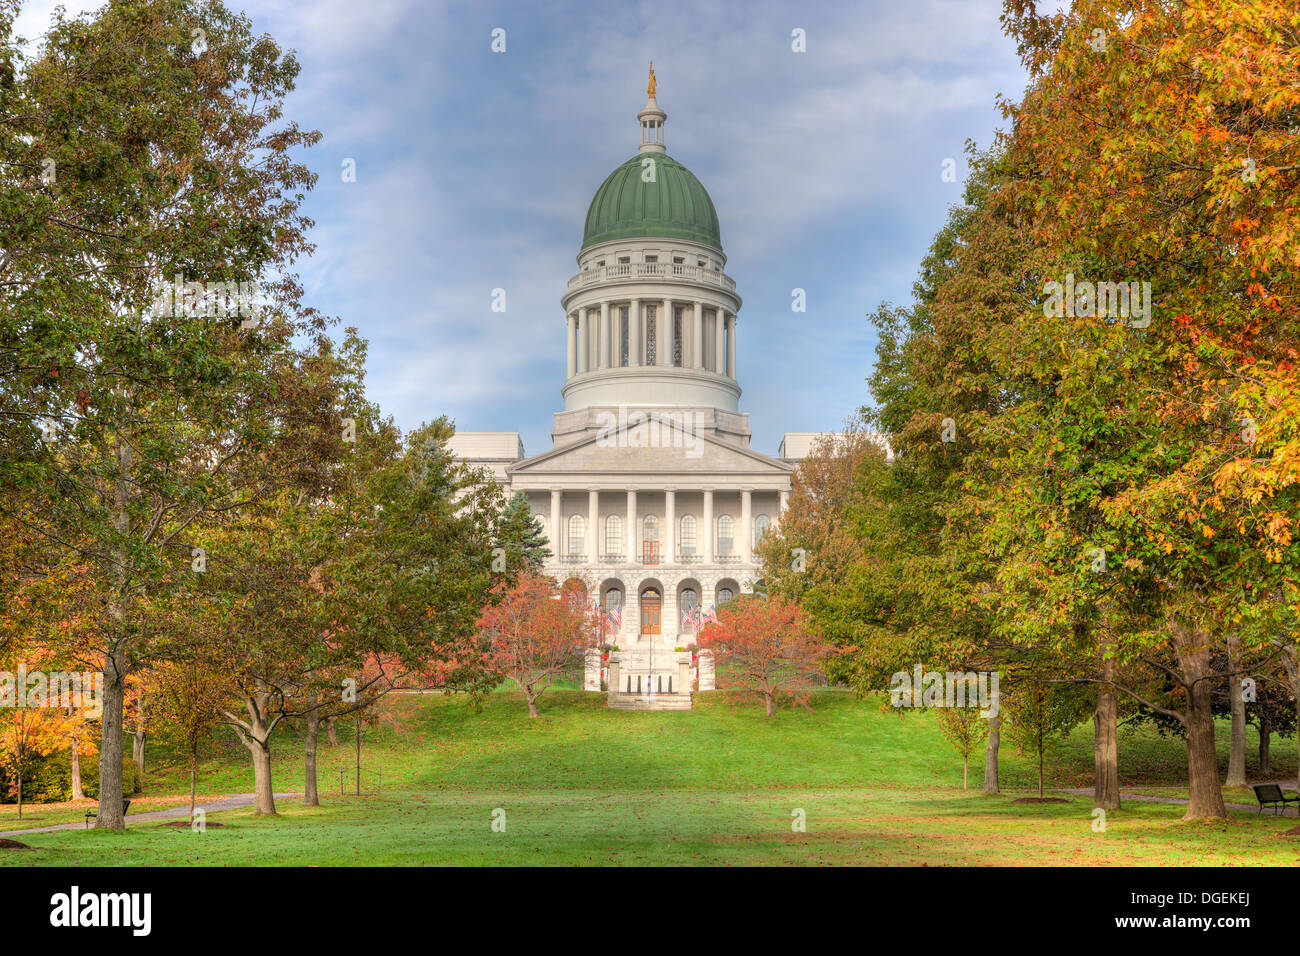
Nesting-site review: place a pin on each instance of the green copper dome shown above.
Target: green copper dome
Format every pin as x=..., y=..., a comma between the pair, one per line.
x=674, y=206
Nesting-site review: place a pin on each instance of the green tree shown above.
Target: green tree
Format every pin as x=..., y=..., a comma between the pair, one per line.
x=519, y=532
x=126, y=412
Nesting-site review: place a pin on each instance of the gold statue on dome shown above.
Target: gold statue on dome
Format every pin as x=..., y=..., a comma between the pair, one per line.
x=651, y=88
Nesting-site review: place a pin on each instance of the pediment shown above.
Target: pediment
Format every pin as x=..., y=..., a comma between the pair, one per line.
x=658, y=443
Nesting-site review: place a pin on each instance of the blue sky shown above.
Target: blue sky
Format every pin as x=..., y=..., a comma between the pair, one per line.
x=474, y=170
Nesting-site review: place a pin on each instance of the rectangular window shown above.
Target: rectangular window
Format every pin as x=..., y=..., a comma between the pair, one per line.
x=622, y=336
x=651, y=345
x=677, y=336
x=710, y=340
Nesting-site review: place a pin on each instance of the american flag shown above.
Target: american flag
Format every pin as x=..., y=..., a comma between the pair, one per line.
x=614, y=619
x=689, y=616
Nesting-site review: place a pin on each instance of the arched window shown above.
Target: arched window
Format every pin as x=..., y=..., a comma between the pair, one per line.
x=726, y=534
x=761, y=524
x=724, y=595
x=688, y=534
x=613, y=535
x=613, y=599
x=689, y=599
x=650, y=539
x=577, y=534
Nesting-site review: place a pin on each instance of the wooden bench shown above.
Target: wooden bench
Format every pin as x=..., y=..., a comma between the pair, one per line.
x=92, y=814
x=1270, y=795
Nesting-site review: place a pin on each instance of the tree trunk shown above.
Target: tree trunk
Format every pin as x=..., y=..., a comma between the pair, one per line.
x=1204, y=794
x=965, y=770
x=20, y=794
x=771, y=708
x=137, y=749
x=1040, y=770
x=358, y=754
x=333, y=732
x=991, y=755
x=310, y=796
x=1105, y=743
x=1237, y=751
x=532, y=705
x=77, y=792
x=263, y=795
x=194, y=768
x=255, y=734
x=110, y=816
x=1265, y=745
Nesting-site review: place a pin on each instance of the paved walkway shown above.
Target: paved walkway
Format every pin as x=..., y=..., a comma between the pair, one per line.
x=1145, y=798
x=211, y=806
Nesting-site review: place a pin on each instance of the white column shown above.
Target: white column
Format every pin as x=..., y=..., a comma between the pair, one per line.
x=670, y=525
x=593, y=521
x=731, y=348
x=605, y=337
x=571, y=324
x=708, y=526
x=635, y=349
x=631, y=527
x=584, y=335
x=719, y=342
x=746, y=525
x=664, y=355
x=697, y=336
x=556, y=536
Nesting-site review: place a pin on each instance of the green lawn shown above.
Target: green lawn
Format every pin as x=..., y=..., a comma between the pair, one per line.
x=717, y=785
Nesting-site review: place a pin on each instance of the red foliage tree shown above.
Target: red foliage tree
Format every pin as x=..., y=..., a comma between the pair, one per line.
x=761, y=647
x=536, y=632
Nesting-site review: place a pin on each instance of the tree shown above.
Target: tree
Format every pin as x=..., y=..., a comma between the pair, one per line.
x=536, y=632
x=190, y=699
x=519, y=532
x=1040, y=715
x=125, y=409
x=762, y=647
x=964, y=728
x=25, y=734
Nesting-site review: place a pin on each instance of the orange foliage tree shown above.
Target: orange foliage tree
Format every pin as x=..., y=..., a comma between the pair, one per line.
x=761, y=647
x=536, y=631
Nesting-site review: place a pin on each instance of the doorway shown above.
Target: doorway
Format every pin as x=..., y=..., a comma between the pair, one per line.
x=651, y=605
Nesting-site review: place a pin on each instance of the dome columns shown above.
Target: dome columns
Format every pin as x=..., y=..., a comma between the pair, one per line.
x=680, y=329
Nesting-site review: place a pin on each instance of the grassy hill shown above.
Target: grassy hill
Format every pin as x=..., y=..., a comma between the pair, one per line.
x=719, y=784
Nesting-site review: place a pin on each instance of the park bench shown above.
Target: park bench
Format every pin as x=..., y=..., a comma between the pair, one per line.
x=91, y=814
x=1270, y=795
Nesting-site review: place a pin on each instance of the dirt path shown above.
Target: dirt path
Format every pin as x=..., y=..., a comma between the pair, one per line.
x=211, y=806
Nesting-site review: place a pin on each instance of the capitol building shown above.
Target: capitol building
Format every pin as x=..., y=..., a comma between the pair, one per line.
x=650, y=492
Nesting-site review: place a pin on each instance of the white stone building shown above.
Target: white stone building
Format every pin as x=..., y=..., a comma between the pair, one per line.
x=650, y=493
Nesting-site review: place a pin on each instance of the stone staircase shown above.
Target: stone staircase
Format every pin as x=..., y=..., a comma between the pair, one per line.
x=649, y=702
x=651, y=677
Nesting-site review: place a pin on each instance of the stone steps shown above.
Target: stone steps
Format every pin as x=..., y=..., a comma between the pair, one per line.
x=653, y=702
